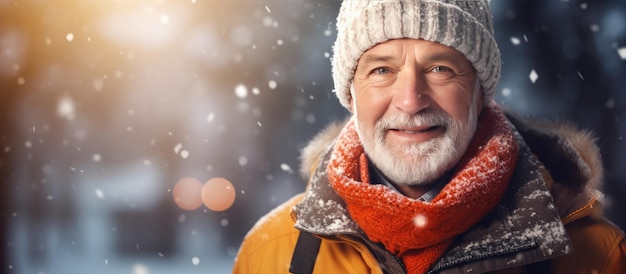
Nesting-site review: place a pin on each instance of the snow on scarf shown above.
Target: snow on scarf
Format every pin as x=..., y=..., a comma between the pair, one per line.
x=420, y=232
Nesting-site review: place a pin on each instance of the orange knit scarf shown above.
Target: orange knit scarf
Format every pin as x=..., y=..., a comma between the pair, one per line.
x=420, y=232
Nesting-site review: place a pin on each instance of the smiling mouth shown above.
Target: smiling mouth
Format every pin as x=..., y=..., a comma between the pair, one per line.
x=416, y=134
x=417, y=130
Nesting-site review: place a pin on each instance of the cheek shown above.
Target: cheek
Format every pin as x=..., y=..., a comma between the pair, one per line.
x=371, y=106
x=457, y=103
x=461, y=111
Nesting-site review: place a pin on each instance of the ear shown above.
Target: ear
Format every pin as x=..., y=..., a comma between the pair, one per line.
x=351, y=100
x=351, y=107
x=480, y=101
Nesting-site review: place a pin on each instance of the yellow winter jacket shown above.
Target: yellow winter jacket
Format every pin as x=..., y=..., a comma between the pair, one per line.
x=548, y=222
x=599, y=247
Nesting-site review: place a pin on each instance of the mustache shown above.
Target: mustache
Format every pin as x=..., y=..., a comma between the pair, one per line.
x=429, y=118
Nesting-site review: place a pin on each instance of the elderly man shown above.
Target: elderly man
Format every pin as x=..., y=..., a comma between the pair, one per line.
x=429, y=175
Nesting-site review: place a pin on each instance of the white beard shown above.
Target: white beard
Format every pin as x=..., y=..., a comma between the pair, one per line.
x=423, y=163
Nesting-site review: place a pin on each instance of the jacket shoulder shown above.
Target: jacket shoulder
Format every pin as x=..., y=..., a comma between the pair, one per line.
x=268, y=246
x=598, y=247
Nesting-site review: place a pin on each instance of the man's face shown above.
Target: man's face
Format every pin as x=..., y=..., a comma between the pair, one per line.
x=416, y=105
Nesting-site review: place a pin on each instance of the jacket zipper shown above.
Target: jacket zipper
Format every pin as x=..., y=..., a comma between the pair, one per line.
x=400, y=262
x=587, y=206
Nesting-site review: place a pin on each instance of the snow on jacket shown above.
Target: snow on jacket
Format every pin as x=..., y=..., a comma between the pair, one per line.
x=549, y=221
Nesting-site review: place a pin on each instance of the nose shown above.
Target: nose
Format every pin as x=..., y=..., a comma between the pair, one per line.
x=410, y=93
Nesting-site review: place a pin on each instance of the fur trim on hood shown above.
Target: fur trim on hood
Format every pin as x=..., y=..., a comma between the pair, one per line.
x=572, y=159
x=309, y=155
x=560, y=143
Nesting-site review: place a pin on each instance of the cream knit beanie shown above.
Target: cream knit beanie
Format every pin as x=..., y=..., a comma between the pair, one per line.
x=465, y=25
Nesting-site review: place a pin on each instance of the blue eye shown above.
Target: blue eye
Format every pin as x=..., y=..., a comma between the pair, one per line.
x=441, y=69
x=381, y=70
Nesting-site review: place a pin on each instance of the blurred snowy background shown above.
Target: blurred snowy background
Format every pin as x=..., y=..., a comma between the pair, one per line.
x=105, y=105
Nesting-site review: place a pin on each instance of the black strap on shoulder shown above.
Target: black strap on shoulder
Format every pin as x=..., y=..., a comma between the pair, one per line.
x=305, y=253
x=542, y=267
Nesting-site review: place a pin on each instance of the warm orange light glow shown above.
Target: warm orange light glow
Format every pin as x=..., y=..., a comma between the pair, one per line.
x=187, y=193
x=218, y=194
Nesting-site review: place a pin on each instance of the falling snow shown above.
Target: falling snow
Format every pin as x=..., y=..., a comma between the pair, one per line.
x=272, y=84
x=610, y=103
x=66, y=109
x=419, y=220
x=533, y=76
x=506, y=92
x=285, y=167
x=140, y=269
x=241, y=91
x=243, y=161
x=622, y=53
x=99, y=193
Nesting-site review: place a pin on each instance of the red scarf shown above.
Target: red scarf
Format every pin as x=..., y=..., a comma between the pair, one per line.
x=420, y=232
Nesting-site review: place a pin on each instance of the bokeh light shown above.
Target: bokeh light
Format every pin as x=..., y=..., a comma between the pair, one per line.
x=187, y=193
x=218, y=194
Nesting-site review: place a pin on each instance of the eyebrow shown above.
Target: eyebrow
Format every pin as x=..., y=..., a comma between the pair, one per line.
x=450, y=57
x=370, y=58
